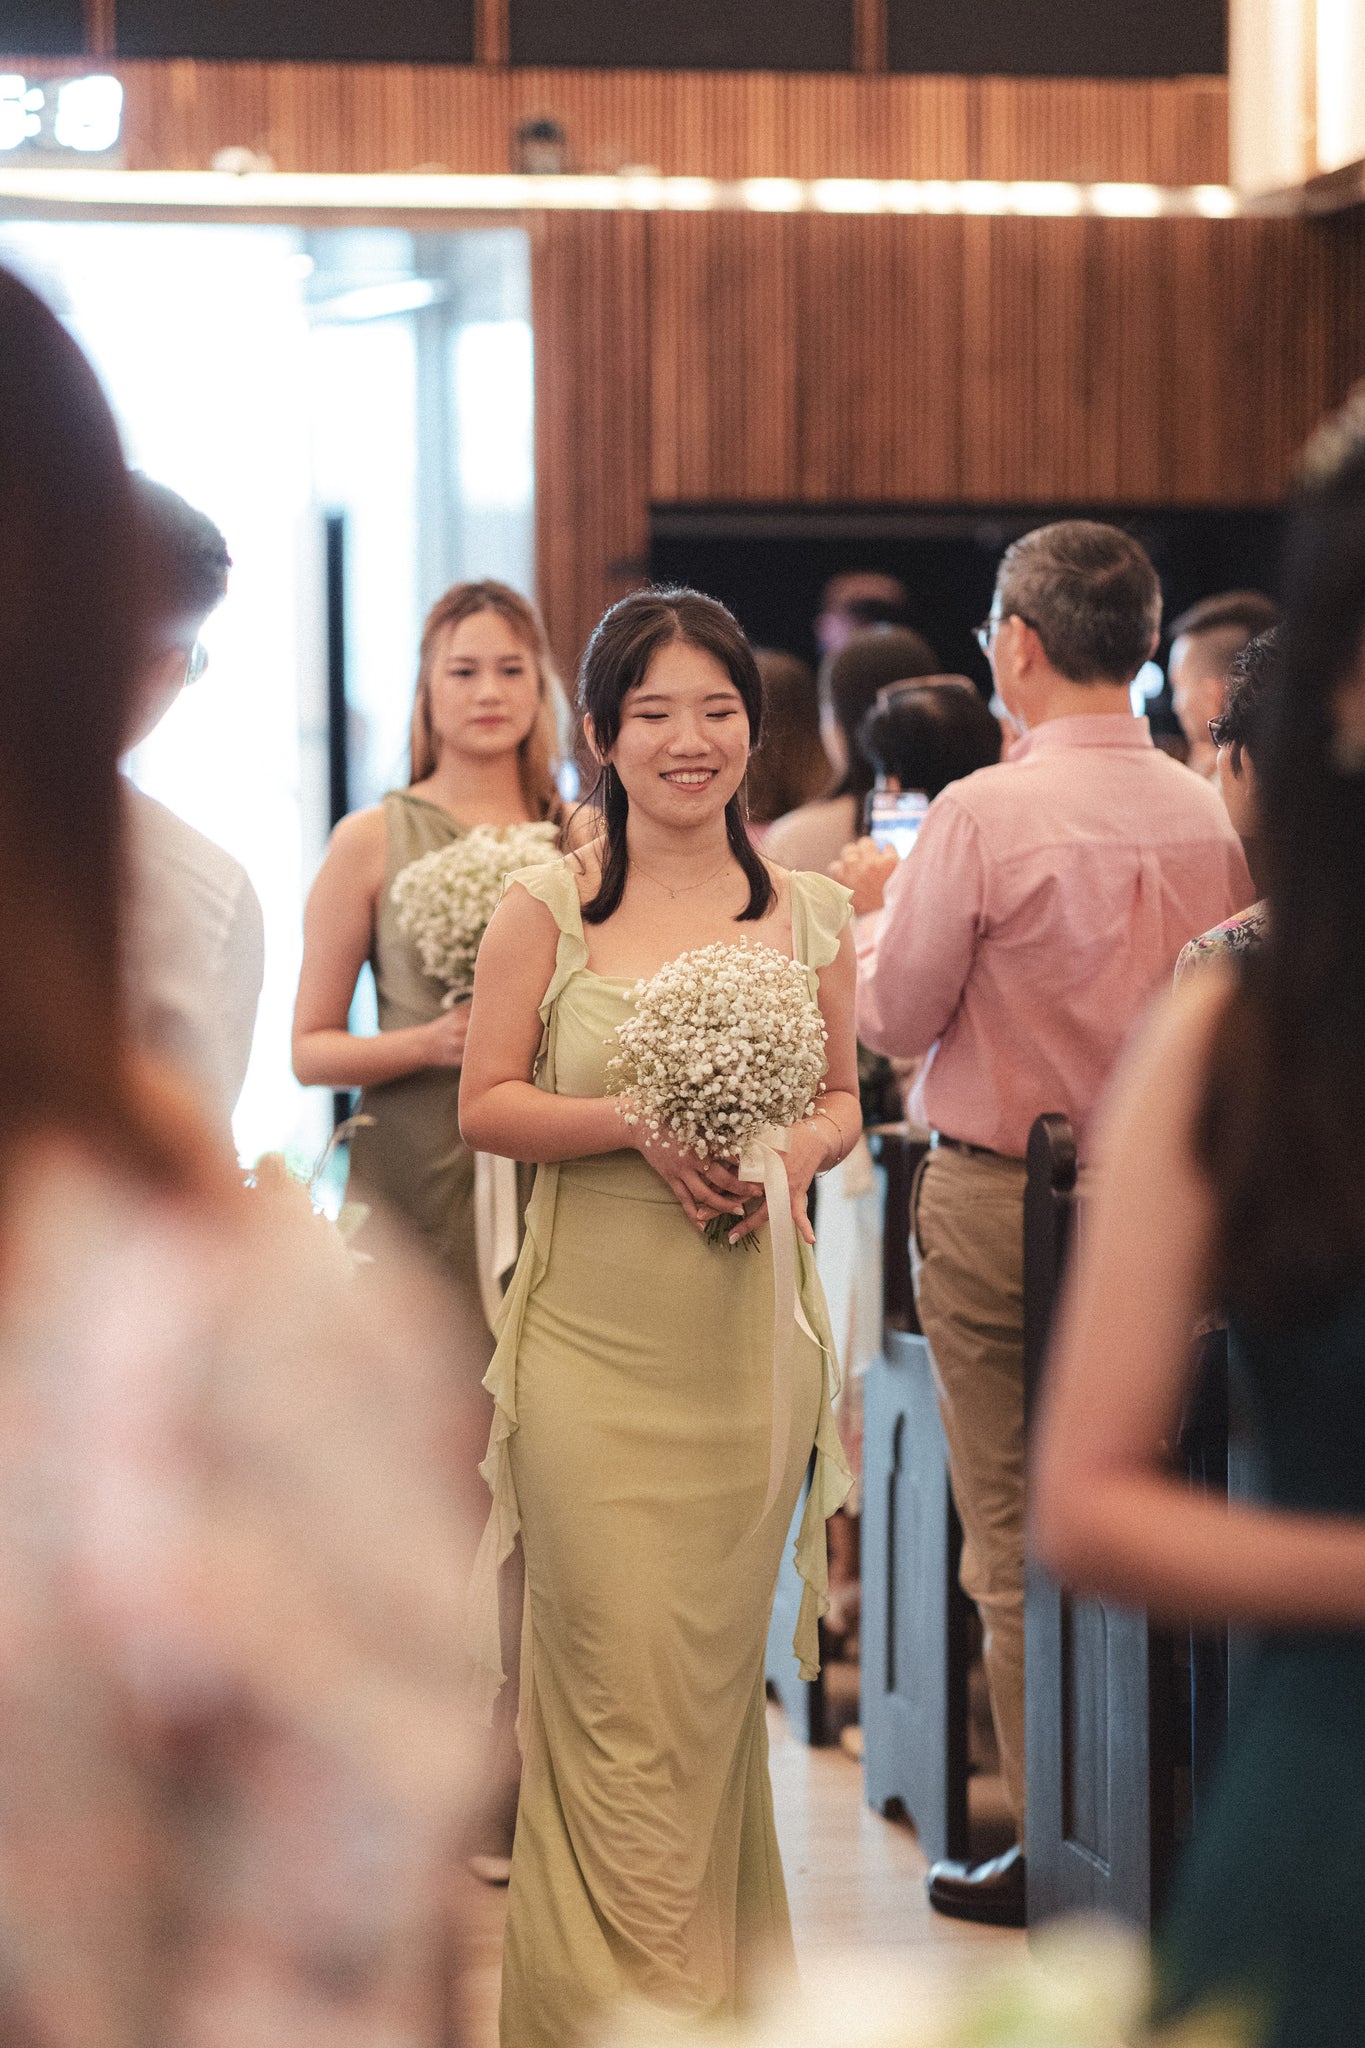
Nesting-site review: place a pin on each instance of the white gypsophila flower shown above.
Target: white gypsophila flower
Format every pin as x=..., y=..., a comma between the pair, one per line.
x=445, y=899
x=722, y=1041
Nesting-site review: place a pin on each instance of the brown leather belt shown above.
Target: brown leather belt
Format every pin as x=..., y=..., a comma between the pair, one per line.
x=940, y=1142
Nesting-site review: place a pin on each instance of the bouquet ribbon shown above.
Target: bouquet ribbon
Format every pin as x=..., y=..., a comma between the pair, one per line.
x=495, y=1227
x=762, y=1161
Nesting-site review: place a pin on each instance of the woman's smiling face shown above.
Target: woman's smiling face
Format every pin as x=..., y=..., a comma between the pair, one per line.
x=683, y=747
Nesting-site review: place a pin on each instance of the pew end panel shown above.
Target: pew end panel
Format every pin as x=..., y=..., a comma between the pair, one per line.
x=915, y=1640
x=916, y=1618
x=1099, y=1681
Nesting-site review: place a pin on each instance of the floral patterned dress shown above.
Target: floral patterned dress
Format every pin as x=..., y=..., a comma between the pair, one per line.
x=1240, y=934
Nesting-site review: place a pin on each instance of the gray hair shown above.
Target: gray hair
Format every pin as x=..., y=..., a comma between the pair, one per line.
x=1090, y=593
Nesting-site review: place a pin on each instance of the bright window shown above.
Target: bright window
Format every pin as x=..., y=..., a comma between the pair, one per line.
x=274, y=377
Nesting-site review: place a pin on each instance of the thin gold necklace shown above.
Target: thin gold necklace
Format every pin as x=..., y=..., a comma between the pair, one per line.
x=687, y=887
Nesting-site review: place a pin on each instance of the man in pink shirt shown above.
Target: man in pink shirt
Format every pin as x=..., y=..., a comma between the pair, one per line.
x=1043, y=904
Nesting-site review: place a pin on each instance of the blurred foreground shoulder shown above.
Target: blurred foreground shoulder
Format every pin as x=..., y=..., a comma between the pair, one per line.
x=1159, y=1083
x=244, y=1450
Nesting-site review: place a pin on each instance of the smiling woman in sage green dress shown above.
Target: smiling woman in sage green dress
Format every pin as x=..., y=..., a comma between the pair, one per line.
x=634, y=1371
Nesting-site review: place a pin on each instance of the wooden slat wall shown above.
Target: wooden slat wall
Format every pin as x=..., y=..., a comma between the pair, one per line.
x=590, y=298
x=816, y=359
x=393, y=117
x=810, y=360
x=751, y=358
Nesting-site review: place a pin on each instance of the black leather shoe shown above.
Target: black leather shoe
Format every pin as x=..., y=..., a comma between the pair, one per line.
x=992, y=1893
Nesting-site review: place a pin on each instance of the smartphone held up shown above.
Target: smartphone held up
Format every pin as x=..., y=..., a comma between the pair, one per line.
x=893, y=818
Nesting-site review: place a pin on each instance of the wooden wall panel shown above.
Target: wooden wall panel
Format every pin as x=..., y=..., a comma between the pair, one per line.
x=1095, y=129
x=903, y=290
x=590, y=308
x=809, y=360
x=395, y=117
x=979, y=360
x=724, y=419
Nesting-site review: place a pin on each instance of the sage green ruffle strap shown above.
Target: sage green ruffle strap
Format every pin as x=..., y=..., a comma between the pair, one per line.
x=552, y=884
x=830, y=1485
x=821, y=908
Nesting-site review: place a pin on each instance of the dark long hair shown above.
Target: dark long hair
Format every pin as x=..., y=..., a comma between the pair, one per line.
x=931, y=733
x=851, y=679
x=1282, y=1129
x=76, y=580
x=624, y=643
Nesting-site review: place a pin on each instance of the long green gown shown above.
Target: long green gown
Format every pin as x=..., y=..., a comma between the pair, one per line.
x=633, y=1384
x=412, y=1158
x=1269, y=1905
x=411, y=1161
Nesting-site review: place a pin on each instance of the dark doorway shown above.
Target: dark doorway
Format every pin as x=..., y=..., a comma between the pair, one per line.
x=770, y=564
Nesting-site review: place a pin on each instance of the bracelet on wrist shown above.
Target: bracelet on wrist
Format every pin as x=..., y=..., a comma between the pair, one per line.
x=837, y=1160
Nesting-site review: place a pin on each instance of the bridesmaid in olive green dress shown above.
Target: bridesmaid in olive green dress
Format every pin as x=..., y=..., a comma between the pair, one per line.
x=483, y=746
x=483, y=751
x=634, y=1375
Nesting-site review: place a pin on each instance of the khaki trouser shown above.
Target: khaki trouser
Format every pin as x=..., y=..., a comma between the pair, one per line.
x=967, y=1251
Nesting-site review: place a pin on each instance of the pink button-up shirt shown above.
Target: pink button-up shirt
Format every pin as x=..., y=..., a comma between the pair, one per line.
x=1044, y=903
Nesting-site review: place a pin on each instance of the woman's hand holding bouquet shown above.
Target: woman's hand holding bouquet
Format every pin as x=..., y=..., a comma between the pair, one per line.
x=706, y=1189
x=723, y=1056
x=446, y=1035
x=810, y=1148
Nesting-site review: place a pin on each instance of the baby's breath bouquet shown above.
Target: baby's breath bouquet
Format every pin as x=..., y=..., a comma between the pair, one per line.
x=445, y=899
x=723, y=1044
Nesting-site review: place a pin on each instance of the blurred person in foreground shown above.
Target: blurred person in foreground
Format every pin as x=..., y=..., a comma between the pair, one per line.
x=789, y=767
x=1205, y=641
x=1043, y=904
x=1232, y=1173
x=229, y=1677
x=195, y=941
x=1236, y=733
x=816, y=833
x=854, y=600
